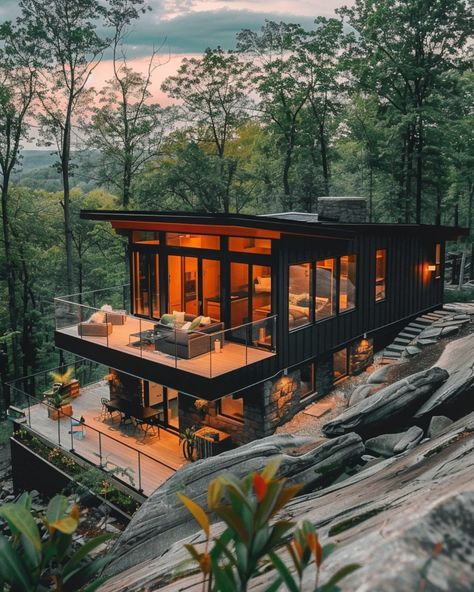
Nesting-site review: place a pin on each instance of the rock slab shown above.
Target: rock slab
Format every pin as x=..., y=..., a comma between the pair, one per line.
x=388, y=445
x=390, y=406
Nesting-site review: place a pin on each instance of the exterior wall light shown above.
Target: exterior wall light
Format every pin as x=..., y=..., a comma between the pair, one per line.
x=431, y=267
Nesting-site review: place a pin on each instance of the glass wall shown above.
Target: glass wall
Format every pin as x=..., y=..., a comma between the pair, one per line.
x=193, y=241
x=262, y=292
x=146, y=237
x=380, y=274
x=347, y=282
x=299, y=295
x=232, y=407
x=211, y=288
x=250, y=245
x=183, y=284
x=308, y=380
x=340, y=364
x=140, y=284
x=324, y=300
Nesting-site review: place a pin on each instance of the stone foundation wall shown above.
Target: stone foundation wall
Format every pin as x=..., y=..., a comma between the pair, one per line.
x=361, y=355
x=344, y=209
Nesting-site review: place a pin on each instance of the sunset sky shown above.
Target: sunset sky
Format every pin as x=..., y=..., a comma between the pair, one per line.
x=187, y=27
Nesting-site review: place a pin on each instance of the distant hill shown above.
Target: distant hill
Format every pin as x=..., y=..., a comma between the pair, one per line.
x=37, y=171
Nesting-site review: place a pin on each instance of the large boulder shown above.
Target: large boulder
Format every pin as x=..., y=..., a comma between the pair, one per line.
x=389, y=407
x=363, y=391
x=438, y=424
x=388, y=445
x=458, y=360
x=163, y=520
x=388, y=518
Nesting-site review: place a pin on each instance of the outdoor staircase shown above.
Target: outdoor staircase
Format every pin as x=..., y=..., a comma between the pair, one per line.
x=417, y=333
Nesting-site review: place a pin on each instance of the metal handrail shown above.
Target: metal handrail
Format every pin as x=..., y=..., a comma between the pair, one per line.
x=103, y=434
x=90, y=292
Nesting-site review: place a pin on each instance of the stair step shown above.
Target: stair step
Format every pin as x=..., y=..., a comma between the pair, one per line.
x=432, y=317
x=423, y=321
x=405, y=335
x=443, y=312
x=395, y=347
x=391, y=354
x=413, y=331
x=414, y=325
x=402, y=340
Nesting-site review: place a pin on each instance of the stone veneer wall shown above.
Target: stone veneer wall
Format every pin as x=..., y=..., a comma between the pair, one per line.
x=344, y=209
x=361, y=355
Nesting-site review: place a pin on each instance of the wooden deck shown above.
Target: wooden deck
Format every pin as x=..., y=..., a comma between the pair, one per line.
x=231, y=357
x=148, y=462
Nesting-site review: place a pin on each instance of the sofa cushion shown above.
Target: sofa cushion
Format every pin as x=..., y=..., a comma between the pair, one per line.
x=167, y=320
x=179, y=316
x=97, y=317
x=179, y=337
x=195, y=324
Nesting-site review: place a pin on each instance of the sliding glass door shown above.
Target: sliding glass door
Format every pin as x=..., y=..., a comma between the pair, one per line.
x=146, y=284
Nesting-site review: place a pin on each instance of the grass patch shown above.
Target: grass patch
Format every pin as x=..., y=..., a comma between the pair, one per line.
x=354, y=521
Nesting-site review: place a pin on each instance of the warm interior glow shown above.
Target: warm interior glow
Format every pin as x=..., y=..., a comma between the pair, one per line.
x=380, y=274
x=431, y=267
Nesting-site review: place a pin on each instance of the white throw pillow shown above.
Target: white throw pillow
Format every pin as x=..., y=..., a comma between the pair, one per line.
x=106, y=308
x=186, y=326
x=97, y=318
x=179, y=316
x=205, y=321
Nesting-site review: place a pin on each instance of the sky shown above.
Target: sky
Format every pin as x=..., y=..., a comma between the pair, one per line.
x=187, y=27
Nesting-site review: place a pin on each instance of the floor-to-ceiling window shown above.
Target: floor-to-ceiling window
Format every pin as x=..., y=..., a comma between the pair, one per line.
x=300, y=310
x=183, y=284
x=146, y=284
x=324, y=301
x=165, y=400
x=347, y=282
x=211, y=288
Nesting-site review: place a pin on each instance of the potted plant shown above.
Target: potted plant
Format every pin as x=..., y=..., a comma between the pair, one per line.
x=58, y=405
x=202, y=407
x=69, y=386
x=188, y=439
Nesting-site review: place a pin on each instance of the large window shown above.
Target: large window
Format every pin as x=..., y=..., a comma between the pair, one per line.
x=192, y=241
x=380, y=275
x=146, y=237
x=250, y=245
x=340, y=364
x=324, y=300
x=146, y=284
x=299, y=295
x=231, y=406
x=308, y=380
x=347, y=282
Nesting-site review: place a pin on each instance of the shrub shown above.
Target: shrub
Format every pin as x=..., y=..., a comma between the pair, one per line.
x=249, y=544
x=38, y=555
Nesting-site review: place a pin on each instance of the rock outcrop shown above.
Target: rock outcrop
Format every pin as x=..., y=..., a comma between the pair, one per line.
x=438, y=424
x=388, y=445
x=458, y=360
x=389, y=407
x=162, y=519
x=388, y=518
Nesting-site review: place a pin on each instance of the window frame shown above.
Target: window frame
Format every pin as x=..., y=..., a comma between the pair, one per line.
x=232, y=418
x=313, y=390
x=384, y=299
x=356, y=298
x=311, y=295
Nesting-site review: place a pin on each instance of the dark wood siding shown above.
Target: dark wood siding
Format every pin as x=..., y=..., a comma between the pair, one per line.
x=411, y=290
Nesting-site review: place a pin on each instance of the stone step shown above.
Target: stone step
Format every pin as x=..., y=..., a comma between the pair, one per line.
x=391, y=354
x=424, y=342
x=413, y=330
x=406, y=335
x=395, y=347
x=414, y=325
x=412, y=350
x=423, y=321
x=402, y=340
x=443, y=312
x=432, y=317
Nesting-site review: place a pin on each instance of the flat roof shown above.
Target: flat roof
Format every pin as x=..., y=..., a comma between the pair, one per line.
x=284, y=223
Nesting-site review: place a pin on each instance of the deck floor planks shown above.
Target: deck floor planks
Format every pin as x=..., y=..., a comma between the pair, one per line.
x=119, y=445
x=232, y=356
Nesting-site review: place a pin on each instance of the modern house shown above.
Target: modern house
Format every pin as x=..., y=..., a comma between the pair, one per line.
x=237, y=322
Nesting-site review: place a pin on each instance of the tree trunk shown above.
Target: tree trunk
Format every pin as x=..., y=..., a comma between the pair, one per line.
x=9, y=265
x=324, y=159
x=65, y=156
x=419, y=170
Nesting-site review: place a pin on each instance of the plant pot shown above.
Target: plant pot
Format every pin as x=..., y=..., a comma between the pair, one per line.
x=71, y=390
x=63, y=411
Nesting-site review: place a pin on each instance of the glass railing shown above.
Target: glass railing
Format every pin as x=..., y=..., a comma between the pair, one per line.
x=31, y=406
x=207, y=350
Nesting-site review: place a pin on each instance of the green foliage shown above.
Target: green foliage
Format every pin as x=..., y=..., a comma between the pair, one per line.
x=40, y=555
x=248, y=546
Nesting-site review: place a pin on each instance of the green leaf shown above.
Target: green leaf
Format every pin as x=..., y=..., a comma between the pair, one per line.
x=95, y=585
x=278, y=533
x=284, y=573
x=85, y=574
x=20, y=521
x=198, y=513
x=330, y=586
x=56, y=508
x=12, y=568
x=233, y=520
x=275, y=586
x=223, y=578
x=84, y=550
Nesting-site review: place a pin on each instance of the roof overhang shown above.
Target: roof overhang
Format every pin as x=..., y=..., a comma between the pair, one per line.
x=258, y=226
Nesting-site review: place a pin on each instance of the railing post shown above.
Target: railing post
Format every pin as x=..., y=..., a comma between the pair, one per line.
x=29, y=411
x=140, y=489
x=72, y=435
x=100, y=450
x=59, y=427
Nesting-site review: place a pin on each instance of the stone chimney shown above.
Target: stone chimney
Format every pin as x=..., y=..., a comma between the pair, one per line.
x=343, y=209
